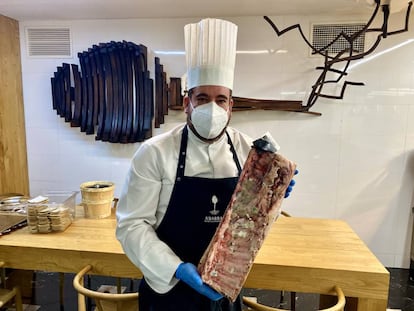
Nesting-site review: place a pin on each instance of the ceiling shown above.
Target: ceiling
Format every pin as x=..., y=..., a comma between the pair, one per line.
x=23, y=10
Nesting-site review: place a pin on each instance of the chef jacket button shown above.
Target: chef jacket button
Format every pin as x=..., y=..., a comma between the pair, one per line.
x=181, y=166
x=178, y=178
x=183, y=153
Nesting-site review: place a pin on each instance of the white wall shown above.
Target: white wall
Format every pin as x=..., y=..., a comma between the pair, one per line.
x=356, y=161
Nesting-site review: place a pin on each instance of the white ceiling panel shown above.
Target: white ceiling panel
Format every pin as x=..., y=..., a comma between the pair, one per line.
x=120, y=9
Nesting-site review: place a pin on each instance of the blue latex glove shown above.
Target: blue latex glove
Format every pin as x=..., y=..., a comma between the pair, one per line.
x=188, y=273
x=290, y=187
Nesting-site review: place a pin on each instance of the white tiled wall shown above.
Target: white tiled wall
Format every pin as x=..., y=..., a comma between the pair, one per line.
x=356, y=161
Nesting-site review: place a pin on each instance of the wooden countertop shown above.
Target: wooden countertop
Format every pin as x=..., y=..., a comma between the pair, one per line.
x=299, y=254
x=312, y=255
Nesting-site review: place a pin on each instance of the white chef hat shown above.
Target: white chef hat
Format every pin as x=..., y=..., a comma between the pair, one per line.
x=210, y=47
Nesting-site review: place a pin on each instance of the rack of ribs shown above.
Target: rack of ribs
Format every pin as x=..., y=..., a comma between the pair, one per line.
x=254, y=206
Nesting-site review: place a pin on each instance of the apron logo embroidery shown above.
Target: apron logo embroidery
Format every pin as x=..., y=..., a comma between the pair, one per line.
x=214, y=213
x=210, y=219
x=214, y=200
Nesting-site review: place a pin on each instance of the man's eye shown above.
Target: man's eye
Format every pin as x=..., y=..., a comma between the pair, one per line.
x=202, y=100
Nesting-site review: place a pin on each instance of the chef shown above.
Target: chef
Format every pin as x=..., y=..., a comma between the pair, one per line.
x=180, y=182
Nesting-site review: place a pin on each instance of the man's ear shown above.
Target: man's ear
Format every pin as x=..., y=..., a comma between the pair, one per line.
x=186, y=102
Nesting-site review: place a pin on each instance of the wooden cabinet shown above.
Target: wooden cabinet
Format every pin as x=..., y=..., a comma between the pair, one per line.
x=13, y=152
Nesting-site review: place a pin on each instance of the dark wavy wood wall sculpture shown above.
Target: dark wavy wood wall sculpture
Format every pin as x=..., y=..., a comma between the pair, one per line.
x=111, y=93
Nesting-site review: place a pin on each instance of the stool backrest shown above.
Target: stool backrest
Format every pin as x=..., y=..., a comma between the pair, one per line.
x=104, y=301
x=339, y=305
x=7, y=295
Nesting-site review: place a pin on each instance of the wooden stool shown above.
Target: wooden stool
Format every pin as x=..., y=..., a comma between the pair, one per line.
x=7, y=295
x=104, y=301
x=339, y=306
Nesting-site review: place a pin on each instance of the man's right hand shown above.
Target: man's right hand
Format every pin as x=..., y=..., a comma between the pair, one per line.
x=188, y=273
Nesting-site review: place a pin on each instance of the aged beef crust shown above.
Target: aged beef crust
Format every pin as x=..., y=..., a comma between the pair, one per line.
x=253, y=208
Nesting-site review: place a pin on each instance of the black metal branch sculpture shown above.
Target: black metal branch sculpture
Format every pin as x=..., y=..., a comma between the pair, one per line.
x=346, y=55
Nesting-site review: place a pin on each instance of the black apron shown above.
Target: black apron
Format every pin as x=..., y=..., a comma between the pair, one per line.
x=195, y=209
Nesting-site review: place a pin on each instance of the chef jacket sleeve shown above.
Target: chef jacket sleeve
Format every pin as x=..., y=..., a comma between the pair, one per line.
x=137, y=220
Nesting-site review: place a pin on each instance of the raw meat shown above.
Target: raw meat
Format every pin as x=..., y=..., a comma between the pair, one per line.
x=254, y=206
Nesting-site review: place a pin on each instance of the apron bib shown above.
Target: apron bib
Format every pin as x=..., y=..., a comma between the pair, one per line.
x=195, y=209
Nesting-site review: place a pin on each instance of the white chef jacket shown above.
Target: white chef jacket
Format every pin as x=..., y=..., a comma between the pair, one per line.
x=147, y=191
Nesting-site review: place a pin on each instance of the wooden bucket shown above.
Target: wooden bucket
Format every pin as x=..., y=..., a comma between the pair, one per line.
x=97, y=198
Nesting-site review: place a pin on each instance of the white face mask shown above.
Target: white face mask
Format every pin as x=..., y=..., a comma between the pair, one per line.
x=209, y=119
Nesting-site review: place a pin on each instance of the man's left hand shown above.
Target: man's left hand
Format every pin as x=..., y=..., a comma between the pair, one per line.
x=290, y=187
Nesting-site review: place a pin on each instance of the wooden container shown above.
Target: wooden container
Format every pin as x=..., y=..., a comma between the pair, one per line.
x=97, y=198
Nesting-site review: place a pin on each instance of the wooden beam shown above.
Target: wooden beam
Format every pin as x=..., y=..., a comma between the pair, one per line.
x=13, y=153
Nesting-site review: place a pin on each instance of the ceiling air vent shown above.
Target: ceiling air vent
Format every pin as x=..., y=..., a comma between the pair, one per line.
x=49, y=42
x=324, y=34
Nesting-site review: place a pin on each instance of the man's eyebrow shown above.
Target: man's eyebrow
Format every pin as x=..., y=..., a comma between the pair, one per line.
x=202, y=95
x=221, y=96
